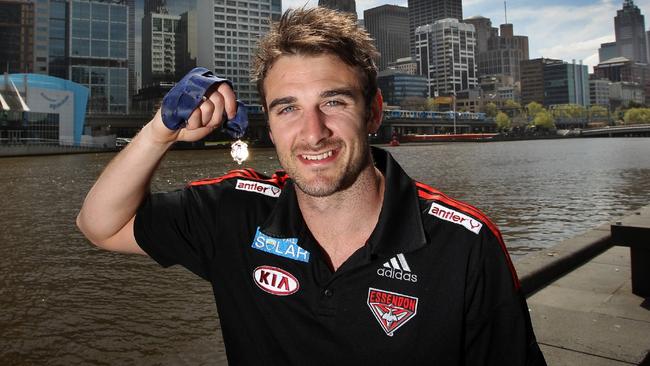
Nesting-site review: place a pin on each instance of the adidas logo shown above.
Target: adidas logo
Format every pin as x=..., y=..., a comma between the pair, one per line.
x=397, y=268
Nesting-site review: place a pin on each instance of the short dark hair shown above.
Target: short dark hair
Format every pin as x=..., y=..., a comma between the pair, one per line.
x=318, y=31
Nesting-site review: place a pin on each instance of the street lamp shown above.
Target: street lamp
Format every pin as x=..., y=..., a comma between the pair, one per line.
x=454, y=107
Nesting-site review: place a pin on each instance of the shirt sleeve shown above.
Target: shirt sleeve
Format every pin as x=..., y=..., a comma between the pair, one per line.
x=498, y=330
x=178, y=228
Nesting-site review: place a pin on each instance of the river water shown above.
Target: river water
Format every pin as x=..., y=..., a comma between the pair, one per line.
x=63, y=302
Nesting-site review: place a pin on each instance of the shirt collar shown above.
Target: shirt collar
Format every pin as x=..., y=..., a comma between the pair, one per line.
x=399, y=228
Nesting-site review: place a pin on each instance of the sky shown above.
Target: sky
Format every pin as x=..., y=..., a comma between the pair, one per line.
x=560, y=29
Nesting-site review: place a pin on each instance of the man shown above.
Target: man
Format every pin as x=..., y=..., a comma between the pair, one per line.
x=342, y=259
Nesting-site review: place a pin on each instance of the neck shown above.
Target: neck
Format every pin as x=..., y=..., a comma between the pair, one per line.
x=343, y=221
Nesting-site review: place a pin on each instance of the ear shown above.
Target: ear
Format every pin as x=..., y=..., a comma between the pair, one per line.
x=376, y=112
x=271, y=136
x=268, y=124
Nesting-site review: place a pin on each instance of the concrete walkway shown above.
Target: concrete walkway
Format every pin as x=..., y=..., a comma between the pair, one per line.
x=581, y=302
x=591, y=317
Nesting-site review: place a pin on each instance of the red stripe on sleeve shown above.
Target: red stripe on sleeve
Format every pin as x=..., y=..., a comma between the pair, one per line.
x=428, y=193
x=279, y=178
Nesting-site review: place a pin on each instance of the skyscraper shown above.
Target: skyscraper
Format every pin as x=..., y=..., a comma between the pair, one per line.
x=389, y=26
x=422, y=12
x=161, y=34
x=566, y=83
x=498, y=51
x=98, y=54
x=87, y=42
x=229, y=32
x=446, y=56
x=629, y=28
x=17, y=36
x=348, y=6
x=631, y=38
x=532, y=79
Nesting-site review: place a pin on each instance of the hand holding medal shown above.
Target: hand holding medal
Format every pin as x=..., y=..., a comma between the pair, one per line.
x=188, y=95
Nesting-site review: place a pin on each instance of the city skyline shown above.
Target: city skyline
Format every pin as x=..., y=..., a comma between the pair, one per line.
x=555, y=29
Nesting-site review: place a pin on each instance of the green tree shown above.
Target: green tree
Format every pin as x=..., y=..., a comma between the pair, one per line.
x=512, y=108
x=637, y=115
x=491, y=109
x=597, y=111
x=503, y=121
x=573, y=111
x=431, y=104
x=545, y=120
x=533, y=108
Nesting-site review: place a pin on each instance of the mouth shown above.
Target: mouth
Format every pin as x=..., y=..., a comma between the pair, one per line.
x=318, y=157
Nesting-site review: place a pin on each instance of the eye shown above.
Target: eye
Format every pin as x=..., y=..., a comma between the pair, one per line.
x=333, y=103
x=287, y=109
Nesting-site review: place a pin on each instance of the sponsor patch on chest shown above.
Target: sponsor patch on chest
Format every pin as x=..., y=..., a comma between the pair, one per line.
x=275, y=281
x=258, y=187
x=456, y=217
x=392, y=310
x=284, y=247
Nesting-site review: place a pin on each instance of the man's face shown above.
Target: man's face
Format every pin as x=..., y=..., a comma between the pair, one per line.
x=318, y=121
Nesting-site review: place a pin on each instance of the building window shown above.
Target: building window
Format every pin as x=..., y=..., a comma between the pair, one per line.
x=99, y=48
x=118, y=13
x=80, y=10
x=99, y=30
x=80, y=75
x=80, y=28
x=99, y=11
x=118, y=31
x=80, y=47
x=118, y=49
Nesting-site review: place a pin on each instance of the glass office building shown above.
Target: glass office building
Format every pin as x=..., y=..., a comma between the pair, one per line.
x=396, y=86
x=86, y=42
x=99, y=53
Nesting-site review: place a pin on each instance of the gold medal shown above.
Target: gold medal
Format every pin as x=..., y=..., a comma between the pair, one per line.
x=239, y=151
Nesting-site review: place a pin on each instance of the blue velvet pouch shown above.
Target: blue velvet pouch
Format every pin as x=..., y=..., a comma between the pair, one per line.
x=187, y=94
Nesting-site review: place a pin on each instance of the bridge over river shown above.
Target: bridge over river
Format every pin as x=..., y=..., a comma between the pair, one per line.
x=642, y=130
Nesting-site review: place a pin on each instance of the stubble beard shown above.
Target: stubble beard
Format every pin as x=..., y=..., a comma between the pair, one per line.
x=327, y=182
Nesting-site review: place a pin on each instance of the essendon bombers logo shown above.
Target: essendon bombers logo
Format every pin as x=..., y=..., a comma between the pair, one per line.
x=392, y=310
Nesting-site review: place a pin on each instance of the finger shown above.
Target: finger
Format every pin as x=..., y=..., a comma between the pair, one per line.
x=207, y=109
x=217, y=114
x=194, y=121
x=194, y=135
x=229, y=99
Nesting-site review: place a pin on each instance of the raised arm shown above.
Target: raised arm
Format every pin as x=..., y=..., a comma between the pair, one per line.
x=107, y=215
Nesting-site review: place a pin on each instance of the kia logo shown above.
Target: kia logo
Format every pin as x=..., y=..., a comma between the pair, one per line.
x=275, y=281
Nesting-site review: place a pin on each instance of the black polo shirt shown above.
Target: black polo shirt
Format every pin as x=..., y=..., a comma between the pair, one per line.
x=433, y=284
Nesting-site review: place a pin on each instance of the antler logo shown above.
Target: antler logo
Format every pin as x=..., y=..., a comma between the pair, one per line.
x=392, y=310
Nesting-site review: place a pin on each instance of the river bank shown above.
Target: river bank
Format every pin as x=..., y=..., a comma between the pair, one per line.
x=65, y=302
x=581, y=301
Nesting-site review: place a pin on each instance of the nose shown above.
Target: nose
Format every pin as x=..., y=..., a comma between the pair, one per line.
x=314, y=127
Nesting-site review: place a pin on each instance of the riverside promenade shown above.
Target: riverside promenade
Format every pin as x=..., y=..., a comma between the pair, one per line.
x=581, y=302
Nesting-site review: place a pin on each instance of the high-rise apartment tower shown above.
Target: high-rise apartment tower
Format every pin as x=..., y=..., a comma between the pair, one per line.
x=17, y=36
x=422, y=12
x=348, y=6
x=229, y=31
x=446, y=56
x=389, y=26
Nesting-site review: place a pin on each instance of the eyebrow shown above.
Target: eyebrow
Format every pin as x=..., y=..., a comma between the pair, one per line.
x=348, y=92
x=278, y=101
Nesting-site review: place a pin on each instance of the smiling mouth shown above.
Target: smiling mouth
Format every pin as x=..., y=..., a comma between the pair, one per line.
x=318, y=157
